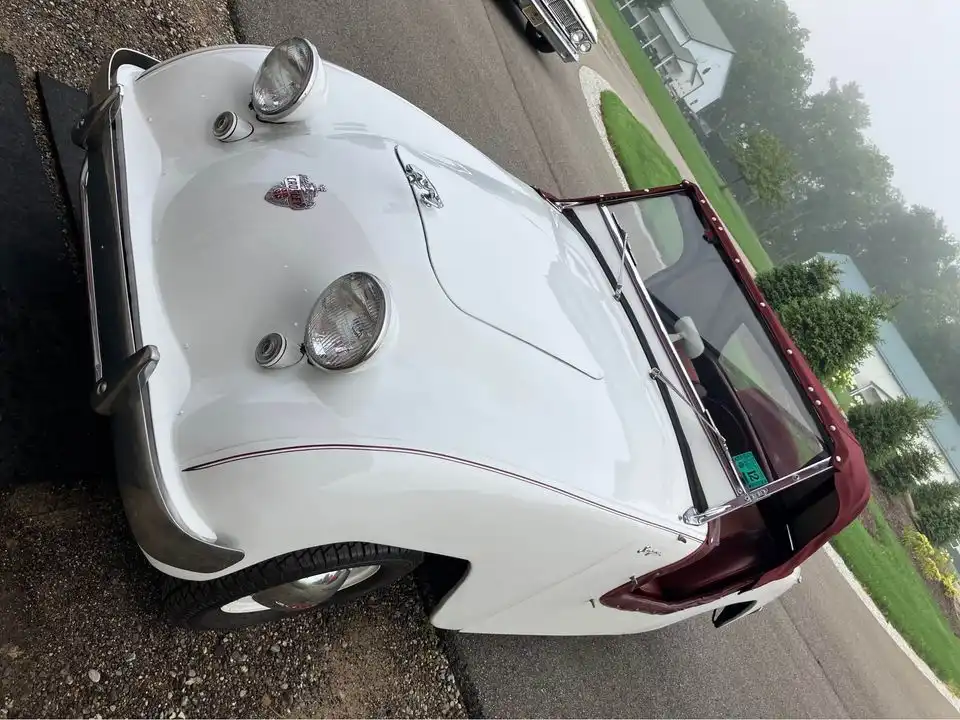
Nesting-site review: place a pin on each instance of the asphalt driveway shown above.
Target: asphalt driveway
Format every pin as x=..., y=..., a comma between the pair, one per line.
x=818, y=653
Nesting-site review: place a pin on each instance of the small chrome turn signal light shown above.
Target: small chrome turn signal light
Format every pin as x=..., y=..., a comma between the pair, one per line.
x=229, y=127
x=275, y=353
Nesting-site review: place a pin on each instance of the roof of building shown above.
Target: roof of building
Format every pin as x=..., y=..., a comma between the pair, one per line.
x=701, y=24
x=678, y=50
x=905, y=367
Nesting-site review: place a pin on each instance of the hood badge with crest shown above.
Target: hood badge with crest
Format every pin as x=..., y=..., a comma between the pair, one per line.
x=296, y=192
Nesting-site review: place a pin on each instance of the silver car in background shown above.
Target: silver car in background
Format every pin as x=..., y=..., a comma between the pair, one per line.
x=562, y=26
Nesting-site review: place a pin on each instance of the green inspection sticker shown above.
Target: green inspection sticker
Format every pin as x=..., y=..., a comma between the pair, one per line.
x=750, y=471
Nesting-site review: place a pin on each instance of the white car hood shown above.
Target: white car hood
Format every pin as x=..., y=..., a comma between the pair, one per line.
x=217, y=267
x=508, y=259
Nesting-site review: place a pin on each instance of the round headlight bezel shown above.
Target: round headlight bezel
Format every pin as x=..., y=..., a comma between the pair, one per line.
x=305, y=86
x=585, y=47
x=578, y=36
x=380, y=327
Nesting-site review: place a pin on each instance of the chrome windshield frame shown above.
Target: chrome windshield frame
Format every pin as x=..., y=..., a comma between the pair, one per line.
x=743, y=496
x=751, y=497
x=692, y=398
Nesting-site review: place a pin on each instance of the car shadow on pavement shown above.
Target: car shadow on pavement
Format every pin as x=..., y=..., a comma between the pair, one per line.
x=512, y=12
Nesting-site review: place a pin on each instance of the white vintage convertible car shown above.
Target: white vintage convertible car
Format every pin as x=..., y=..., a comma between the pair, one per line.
x=335, y=341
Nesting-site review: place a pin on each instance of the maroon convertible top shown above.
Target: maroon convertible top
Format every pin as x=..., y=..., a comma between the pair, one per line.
x=851, y=477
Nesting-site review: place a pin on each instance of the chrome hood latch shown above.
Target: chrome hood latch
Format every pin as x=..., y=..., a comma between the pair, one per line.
x=422, y=187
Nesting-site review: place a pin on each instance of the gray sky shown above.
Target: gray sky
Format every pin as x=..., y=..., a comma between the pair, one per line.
x=906, y=57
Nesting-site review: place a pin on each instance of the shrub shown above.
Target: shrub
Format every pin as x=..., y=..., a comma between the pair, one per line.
x=937, y=492
x=902, y=471
x=845, y=379
x=940, y=523
x=835, y=333
x=933, y=563
x=786, y=283
x=881, y=428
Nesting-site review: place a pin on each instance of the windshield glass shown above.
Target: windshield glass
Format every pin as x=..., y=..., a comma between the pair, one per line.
x=741, y=378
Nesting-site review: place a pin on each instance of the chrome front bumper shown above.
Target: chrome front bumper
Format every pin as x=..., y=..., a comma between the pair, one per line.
x=122, y=363
x=539, y=15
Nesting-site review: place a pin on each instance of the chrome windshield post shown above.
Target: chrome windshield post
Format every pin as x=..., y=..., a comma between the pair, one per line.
x=624, y=244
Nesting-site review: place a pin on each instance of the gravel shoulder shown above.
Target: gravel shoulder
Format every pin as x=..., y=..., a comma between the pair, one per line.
x=82, y=635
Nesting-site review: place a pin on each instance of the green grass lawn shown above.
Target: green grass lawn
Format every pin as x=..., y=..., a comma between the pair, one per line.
x=643, y=161
x=683, y=137
x=644, y=164
x=884, y=568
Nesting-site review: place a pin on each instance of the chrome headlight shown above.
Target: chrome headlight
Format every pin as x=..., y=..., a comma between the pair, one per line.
x=585, y=46
x=577, y=37
x=285, y=78
x=347, y=322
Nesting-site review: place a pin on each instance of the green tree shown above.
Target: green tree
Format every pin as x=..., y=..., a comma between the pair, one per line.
x=765, y=164
x=770, y=74
x=835, y=333
x=935, y=492
x=884, y=427
x=904, y=470
x=842, y=182
x=940, y=523
x=788, y=282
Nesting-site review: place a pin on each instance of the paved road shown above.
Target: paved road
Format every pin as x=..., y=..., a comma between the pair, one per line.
x=816, y=654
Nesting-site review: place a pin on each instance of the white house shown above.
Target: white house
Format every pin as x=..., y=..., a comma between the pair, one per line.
x=687, y=45
x=892, y=371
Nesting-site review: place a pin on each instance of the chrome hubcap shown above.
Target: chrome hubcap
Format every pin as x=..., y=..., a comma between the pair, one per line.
x=303, y=593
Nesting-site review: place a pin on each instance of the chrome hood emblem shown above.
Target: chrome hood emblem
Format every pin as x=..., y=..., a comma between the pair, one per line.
x=422, y=187
x=296, y=192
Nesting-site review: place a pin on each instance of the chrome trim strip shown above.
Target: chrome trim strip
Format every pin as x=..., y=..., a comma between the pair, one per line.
x=157, y=527
x=751, y=497
x=88, y=269
x=437, y=456
x=693, y=399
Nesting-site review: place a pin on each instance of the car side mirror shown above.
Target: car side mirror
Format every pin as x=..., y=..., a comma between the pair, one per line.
x=685, y=330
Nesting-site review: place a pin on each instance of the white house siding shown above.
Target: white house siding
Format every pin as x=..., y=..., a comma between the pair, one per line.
x=714, y=66
x=697, y=84
x=874, y=371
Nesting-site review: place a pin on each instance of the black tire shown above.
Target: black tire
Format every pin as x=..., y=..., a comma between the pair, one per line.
x=537, y=39
x=197, y=605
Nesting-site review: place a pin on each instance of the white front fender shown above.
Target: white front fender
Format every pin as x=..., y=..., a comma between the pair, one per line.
x=520, y=536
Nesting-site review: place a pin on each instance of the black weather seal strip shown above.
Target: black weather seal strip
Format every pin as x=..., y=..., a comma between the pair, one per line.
x=693, y=480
